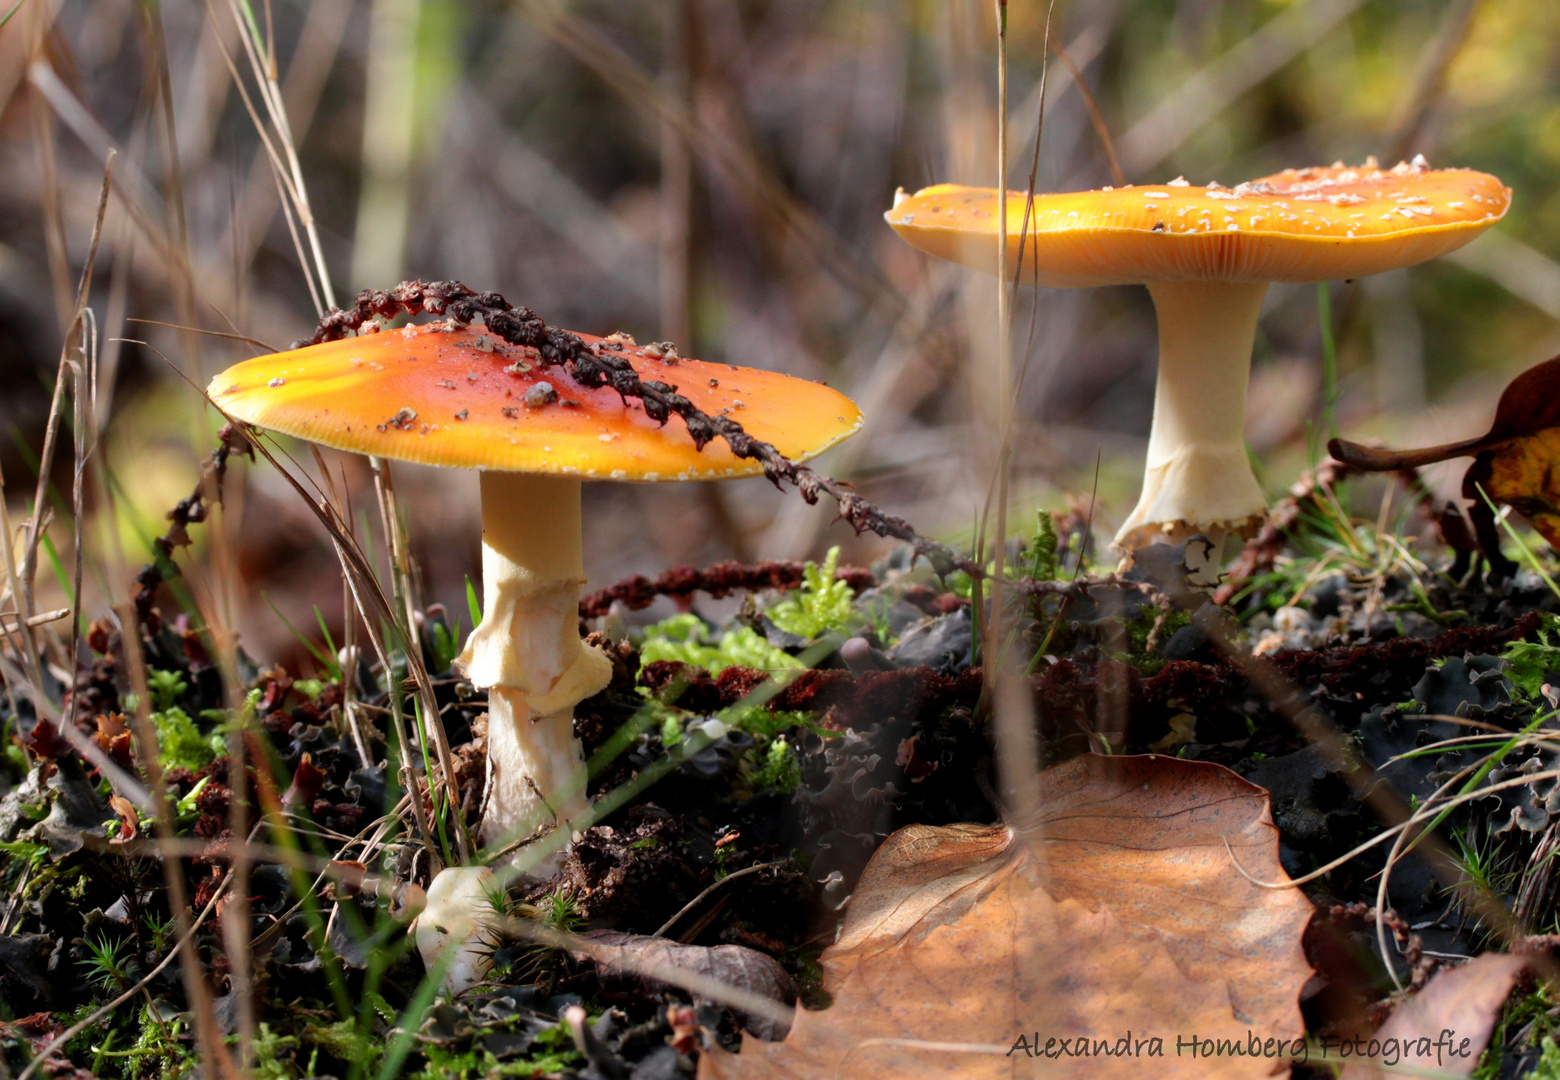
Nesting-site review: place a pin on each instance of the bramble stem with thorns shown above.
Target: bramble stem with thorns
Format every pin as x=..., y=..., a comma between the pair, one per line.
x=186, y=513
x=595, y=366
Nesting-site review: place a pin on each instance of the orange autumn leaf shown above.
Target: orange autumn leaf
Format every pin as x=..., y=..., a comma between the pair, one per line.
x=1118, y=911
x=1524, y=473
x=1517, y=462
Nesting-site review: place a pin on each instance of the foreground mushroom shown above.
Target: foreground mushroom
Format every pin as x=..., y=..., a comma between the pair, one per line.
x=461, y=398
x=1207, y=255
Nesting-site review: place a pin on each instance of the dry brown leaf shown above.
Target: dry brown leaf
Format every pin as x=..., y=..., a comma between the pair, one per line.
x=732, y=965
x=1142, y=925
x=1446, y=1025
x=1523, y=474
x=1517, y=462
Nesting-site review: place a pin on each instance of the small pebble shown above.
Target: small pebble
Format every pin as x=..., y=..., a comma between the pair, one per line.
x=540, y=395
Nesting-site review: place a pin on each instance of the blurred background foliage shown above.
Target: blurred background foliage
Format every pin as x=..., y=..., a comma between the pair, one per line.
x=715, y=172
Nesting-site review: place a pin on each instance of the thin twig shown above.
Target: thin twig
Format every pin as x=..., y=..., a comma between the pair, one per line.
x=691, y=904
x=83, y=397
x=1097, y=118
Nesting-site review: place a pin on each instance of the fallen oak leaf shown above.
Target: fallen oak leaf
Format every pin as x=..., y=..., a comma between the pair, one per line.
x=1463, y=1001
x=732, y=965
x=1517, y=462
x=1117, y=910
x=956, y=1003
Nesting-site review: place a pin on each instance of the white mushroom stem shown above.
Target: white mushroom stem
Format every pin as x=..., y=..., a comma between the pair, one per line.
x=528, y=654
x=1198, y=478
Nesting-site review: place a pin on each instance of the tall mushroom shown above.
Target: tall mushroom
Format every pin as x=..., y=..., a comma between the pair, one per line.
x=1207, y=255
x=461, y=398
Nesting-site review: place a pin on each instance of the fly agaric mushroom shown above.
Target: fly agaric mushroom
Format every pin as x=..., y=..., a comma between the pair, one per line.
x=1207, y=255
x=438, y=394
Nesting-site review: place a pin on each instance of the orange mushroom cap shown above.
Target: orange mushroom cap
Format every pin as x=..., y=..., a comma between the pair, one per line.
x=1298, y=225
x=457, y=397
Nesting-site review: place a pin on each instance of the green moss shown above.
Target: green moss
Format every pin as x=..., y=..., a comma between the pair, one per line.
x=1548, y=1067
x=778, y=769
x=552, y=1052
x=823, y=604
x=1140, y=629
x=166, y=688
x=345, y=1042
x=686, y=639
x=672, y=728
x=1528, y=663
x=1530, y=1016
x=275, y=1055
x=1040, y=554
x=180, y=742
x=13, y=759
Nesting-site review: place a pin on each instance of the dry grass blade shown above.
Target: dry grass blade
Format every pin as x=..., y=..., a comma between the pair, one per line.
x=697, y=900
x=43, y=618
x=245, y=338
x=129, y=185
x=302, y=88
x=292, y=196
x=1002, y=375
x=376, y=611
x=26, y=647
x=428, y=726
x=1430, y=79
x=1205, y=94
x=84, y=397
x=639, y=88
x=156, y=49
x=1096, y=118
x=214, y=1055
x=626, y=959
x=47, y=150
x=263, y=63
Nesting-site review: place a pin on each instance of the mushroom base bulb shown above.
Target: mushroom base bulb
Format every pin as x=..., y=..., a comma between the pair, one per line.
x=1226, y=490
x=460, y=917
